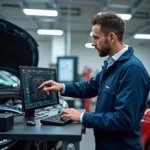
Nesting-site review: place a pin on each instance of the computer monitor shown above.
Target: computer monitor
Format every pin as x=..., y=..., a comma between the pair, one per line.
x=67, y=69
x=32, y=97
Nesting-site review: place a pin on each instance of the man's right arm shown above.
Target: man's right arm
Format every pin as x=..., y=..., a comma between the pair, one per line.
x=85, y=89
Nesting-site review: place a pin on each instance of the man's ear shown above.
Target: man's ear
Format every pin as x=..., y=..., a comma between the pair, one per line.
x=111, y=38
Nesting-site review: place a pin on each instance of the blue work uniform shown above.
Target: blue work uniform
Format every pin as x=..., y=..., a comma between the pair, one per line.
x=122, y=91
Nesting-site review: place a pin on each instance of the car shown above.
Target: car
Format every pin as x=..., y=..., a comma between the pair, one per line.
x=145, y=128
x=9, y=97
x=17, y=47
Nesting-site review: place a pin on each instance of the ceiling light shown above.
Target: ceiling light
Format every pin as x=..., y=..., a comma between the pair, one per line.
x=123, y=16
x=39, y=12
x=142, y=36
x=50, y=32
x=89, y=45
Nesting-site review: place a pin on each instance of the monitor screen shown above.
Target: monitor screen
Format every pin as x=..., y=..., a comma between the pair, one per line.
x=67, y=69
x=30, y=79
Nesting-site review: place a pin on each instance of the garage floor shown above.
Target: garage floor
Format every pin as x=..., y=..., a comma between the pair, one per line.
x=88, y=142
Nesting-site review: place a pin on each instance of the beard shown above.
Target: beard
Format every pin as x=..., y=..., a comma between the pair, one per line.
x=105, y=49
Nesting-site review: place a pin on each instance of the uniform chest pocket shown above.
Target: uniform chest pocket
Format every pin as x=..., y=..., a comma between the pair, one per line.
x=109, y=89
x=108, y=98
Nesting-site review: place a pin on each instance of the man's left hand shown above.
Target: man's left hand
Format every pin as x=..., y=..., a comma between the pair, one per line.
x=71, y=113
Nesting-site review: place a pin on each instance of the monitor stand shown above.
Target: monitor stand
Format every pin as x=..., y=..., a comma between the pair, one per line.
x=29, y=115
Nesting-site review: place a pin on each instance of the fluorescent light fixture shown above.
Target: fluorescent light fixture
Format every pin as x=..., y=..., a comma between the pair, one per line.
x=50, y=32
x=142, y=36
x=123, y=16
x=40, y=12
x=89, y=45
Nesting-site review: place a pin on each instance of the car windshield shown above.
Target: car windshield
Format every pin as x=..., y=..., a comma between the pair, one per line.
x=6, y=80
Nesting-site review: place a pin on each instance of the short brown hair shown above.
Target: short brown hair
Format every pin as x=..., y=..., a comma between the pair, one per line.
x=110, y=22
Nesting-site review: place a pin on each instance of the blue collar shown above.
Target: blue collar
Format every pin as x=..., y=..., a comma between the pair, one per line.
x=125, y=55
x=111, y=60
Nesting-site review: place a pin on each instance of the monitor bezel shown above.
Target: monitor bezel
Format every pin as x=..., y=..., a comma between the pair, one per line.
x=22, y=91
x=75, y=68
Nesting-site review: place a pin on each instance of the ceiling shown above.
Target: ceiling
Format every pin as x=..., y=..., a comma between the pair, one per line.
x=74, y=16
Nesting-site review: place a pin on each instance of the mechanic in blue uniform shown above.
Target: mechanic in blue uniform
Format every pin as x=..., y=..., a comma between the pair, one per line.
x=121, y=88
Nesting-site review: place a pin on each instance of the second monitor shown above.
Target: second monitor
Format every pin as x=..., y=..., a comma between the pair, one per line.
x=67, y=69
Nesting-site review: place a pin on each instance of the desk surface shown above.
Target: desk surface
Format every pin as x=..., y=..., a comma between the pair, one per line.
x=71, y=132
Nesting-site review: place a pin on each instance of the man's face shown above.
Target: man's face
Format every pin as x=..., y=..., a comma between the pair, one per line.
x=100, y=41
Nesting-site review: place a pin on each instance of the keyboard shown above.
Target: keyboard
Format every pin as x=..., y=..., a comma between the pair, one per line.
x=55, y=120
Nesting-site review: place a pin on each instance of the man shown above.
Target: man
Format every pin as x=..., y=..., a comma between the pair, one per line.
x=121, y=89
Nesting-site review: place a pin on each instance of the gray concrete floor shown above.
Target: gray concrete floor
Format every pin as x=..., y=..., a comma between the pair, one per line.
x=88, y=142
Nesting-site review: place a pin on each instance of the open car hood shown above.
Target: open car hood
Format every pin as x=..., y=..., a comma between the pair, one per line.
x=17, y=48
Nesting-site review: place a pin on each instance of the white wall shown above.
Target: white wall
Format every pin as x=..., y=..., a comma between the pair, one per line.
x=143, y=54
x=44, y=54
x=88, y=57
